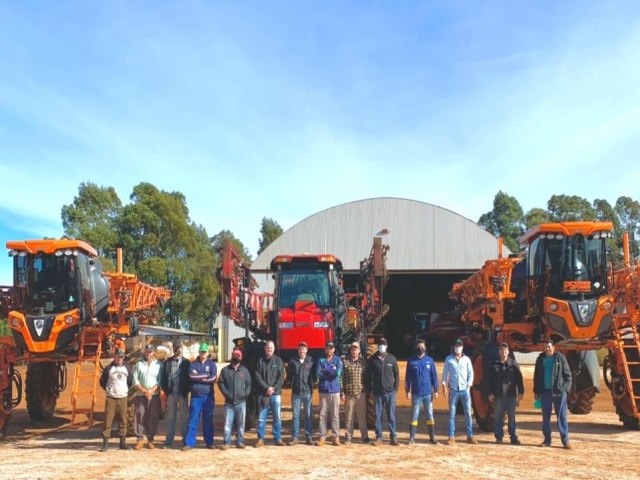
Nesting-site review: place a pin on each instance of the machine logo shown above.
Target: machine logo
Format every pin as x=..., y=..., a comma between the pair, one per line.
x=584, y=311
x=38, y=324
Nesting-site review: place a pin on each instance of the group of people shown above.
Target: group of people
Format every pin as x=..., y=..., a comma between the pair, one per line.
x=189, y=390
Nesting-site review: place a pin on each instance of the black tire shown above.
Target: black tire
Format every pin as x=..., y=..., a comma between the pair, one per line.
x=581, y=403
x=482, y=409
x=41, y=390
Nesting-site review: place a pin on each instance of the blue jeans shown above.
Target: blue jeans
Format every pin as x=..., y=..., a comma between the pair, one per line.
x=234, y=415
x=502, y=405
x=465, y=397
x=273, y=404
x=200, y=405
x=388, y=402
x=416, y=404
x=177, y=404
x=559, y=404
x=296, y=402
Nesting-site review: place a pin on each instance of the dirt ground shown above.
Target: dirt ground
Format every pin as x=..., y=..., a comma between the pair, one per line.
x=602, y=449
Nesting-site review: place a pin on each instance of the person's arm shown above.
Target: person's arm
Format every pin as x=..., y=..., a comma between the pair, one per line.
x=396, y=375
x=257, y=377
x=247, y=383
x=213, y=373
x=224, y=388
x=279, y=381
x=129, y=375
x=434, y=378
x=445, y=379
x=519, y=380
x=368, y=377
x=104, y=377
x=566, y=373
x=407, y=381
x=469, y=373
x=537, y=371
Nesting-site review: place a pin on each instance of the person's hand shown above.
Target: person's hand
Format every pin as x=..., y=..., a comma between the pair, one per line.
x=408, y=395
x=435, y=395
x=343, y=397
x=520, y=397
x=445, y=391
x=536, y=397
x=270, y=391
x=492, y=398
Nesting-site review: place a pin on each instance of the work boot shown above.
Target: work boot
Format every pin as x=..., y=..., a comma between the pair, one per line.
x=320, y=443
x=150, y=445
x=451, y=441
x=472, y=440
x=394, y=442
x=139, y=445
x=123, y=445
x=293, y=442
x=279, y=443
x=336, y=442
x=432, y=434
x=259, y=443
x=412, y=434
x=105, y=445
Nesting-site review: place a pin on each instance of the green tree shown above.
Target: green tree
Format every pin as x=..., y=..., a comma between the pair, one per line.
x=269, y=230
x=505, y=220
x=628, y=211
x=570, y=208
x=536, y=216
x=92, y=216
x=217, y=242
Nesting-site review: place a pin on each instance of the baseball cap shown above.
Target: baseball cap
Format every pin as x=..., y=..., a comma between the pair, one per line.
x=330, y=345
x=203, y=347
x=119, y=353
x=149, y=348
x=458, y=342
x=354, y=345
x=503, y=344
x=382, y=341
x=177, y=345
x=303, y=344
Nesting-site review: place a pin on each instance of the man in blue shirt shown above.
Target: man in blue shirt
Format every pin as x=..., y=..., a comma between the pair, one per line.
x=457, y=379
x=203, y=373
x=328, y=372
x=421, y=385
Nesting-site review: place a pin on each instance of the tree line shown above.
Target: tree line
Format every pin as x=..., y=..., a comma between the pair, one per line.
x=509, y=221
x=161, y=244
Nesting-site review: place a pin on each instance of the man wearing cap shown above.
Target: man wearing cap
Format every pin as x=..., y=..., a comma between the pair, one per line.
x=353, y=393
x=146, y=379
x=116, y=379
x=300, y=375
x=202, y=374
x=268, y=379
x=421, y=386
x=551, y=383
x=505, y=385
x=235, y=386
x=176, y=385
x=457, y=379
x=328, y=372
x=383, y=380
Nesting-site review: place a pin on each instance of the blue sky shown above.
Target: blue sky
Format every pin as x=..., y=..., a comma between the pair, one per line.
x=282, y=109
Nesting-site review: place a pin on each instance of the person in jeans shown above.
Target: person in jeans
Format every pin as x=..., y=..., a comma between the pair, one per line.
x=176, y=385
x=383, y=380
x=506, y=388
x=268, y=379
x=328, y=372
x=353, y=393
x=300, y=375
x=421, y=386
x=203, y=373
x=551, y=383
x=146, y=379
x=235, y=386
x=116, y=380
x=457, y=379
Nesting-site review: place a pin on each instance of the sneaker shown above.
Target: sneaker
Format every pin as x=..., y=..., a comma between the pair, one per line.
x=150, y=445
x=451, y=441
x=308, y=441
x=366, y=440
x=412, y=441
x=347, y=440
x=292, y=443
x=499, y=441
x=320, y=443
x=375, y=443
x=165, y=446
x=515, y=441
x=241, y=445
x=567, y=446
x=211, y=447
x=544, y=444
x=394, y=442
x=433, y=441
x=224, y=446
x=336, y=442
x=472, y=440
x=279, y=443
x=186, y=448
x=259, y=443
x=139, y=445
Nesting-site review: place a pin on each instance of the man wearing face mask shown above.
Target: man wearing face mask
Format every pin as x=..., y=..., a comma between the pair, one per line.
x=421, y=385
x=457, y=379
x=383, y=380
x=235, y=386
x=175, y=383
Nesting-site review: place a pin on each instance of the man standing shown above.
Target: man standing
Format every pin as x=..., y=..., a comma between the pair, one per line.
x=235, y=386
x=328, y=372
x=116, y=380
x=421, y=386
x=457, y=379
x=504, y=380
x=146, y=379
x=300, y=375
x=551, y=383
x=383, y=380
x=176, y=385
x=269, y=378
x=202, y=373
x=353, y=393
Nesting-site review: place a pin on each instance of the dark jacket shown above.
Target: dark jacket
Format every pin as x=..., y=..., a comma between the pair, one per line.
x=269, y=373
x=235, y=385
x=167, y=376
x=105, y=374
x=505, y=379
x=421, y=377
x=383, y=375
x=202, y=376
x=300, y=375
x=328, y=373
x=560, y=378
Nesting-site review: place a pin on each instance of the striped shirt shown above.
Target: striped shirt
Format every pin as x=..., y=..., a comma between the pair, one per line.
x=352, y=379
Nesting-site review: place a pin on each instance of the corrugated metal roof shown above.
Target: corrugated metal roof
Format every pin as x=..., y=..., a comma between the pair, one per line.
x=422, y=237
